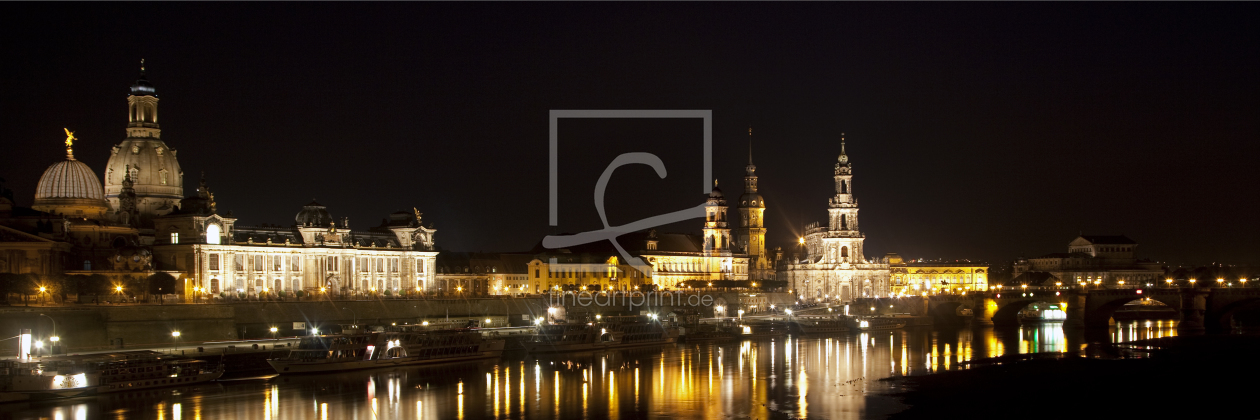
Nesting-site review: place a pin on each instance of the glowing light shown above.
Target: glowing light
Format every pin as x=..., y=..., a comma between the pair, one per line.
x=801, y=240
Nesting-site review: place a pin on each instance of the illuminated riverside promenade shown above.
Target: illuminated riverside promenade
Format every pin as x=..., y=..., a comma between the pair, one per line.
x=834, y=376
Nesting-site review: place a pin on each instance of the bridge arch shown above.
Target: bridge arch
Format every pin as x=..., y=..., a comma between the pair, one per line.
x=1221, y=319
x=1007, y=312
x=1099, y=313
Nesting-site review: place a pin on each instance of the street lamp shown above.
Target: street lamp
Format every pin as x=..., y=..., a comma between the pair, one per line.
x=54, y=337
x=1219, y=282
x=356, y=316
x=41, y=293
x=788, y=312
x=1192, y=282
x=1169, y=281
x=273, y=333
x=741, y=314
x=175, y=339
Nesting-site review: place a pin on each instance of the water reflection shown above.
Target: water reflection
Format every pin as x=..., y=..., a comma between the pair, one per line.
x=796, y=376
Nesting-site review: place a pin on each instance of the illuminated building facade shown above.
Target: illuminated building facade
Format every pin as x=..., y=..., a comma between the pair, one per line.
x=834, y=266
x=676, y=258
x=911, y=278
x=751, y=235
x=154, y=172
x=1094, y=260
x=217, y=257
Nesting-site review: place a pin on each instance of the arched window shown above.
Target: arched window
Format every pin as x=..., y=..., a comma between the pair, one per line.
x=844, y=222
x=844, y=252
x=844, y=187
x=212, y=234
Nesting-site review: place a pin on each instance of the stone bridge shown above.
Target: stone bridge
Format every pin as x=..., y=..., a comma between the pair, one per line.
x=1199, y=309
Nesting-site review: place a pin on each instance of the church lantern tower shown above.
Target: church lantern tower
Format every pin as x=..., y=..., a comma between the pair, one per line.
x=751, y=236
x=717, y=234
x=155, y=174
x=843, y=215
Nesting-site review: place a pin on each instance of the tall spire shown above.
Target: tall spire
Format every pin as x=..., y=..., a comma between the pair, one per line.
x=750, y=146
x=842, y=143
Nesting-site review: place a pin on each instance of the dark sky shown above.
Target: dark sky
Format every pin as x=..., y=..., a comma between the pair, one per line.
x=982, y=131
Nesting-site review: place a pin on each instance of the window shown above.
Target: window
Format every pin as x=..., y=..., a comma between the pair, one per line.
x=536, y=273
x=214, y=261
x=419, y=266
x=380, y=265
x=174, y=238
x=393, y=265
x=162, y=175
x=363, y=264
x=295, y=263
x=212, y=234
x=257, y=263
x=277, y=264
x=239, y=262
x=87, y=265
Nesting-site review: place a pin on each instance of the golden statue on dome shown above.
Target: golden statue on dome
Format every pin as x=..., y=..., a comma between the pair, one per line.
x=69, y=143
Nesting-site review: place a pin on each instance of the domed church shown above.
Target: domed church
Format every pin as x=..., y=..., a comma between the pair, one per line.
x=143, y=156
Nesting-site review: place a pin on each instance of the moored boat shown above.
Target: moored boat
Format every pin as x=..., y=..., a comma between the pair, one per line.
x=614, y=332
x=879, y=323
x=822, y=324
x=92, y=374
x=394, y=347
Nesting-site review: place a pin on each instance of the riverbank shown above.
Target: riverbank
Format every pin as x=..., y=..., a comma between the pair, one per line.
x=1204, y=377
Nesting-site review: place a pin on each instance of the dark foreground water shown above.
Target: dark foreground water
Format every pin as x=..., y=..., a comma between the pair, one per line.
x=830, y=377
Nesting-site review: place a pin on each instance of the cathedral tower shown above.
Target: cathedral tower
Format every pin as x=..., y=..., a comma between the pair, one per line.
x=751, y=236
x=154, y=172
x=843, y=215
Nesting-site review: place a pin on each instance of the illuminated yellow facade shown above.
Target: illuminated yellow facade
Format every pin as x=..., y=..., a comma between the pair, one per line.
x=910, y=278
x=751, y=236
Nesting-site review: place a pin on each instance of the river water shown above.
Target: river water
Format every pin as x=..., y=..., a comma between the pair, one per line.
x=830, y=377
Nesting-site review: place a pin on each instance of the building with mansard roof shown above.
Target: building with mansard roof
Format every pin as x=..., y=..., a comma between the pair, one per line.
x=317, y=254
x=139, y=224
x=834, y=266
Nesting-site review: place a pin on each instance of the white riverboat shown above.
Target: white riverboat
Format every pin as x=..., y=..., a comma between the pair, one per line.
x=91, y=374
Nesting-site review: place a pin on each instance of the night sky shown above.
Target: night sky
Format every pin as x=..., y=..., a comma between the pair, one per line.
x=981, y=131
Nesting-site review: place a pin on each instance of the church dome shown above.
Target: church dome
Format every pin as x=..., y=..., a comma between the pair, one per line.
x=313, y=214
x=69, y=179
x=70, y=188
x=753, y=200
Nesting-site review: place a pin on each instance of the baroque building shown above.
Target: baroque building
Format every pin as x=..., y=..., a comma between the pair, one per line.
x=1092, y=260
x=136, y=230
x=921, y=278
x=317, y=254
x=751, y=235
x=154, y=172
x=834, y=266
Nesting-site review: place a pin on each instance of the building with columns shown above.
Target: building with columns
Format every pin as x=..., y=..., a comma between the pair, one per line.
x=834, y=265
x=920, y=277
x=1091, y=260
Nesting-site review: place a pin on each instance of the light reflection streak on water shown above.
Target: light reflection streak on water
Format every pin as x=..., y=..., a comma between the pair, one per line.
x=770, y=379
